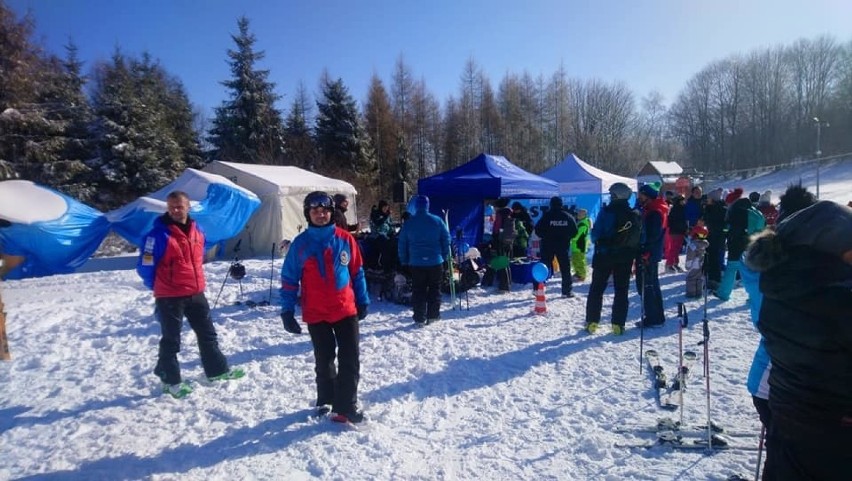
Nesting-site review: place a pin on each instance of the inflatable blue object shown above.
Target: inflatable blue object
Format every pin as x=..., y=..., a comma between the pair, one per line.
x=54, y=233
x=219, y=206
x=539, y=272
x=465, y=247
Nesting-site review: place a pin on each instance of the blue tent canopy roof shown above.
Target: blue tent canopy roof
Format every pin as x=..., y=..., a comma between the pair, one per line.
x=462, y=191
x=488, y=177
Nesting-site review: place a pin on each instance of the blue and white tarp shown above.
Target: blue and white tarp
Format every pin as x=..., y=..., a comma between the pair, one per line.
x=53, y=233
x=219, y=206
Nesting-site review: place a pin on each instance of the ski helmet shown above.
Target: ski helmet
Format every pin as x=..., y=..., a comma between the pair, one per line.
x=620, y=191
x=317, y=199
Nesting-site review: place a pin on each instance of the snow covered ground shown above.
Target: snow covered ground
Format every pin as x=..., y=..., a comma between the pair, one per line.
x=491, y=392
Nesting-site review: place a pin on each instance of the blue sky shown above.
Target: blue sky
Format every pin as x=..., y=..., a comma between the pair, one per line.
x=648, y=44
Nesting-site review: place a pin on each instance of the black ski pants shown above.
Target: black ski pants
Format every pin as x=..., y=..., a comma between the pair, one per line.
x=648, y=285
x=337, y=385
x=170, y=311
x=602, y=269
x=802, y=449
x=564, y=258
x=426, y=291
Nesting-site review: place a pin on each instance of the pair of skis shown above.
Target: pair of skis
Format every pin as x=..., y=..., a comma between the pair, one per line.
x=668, y=424
x=688, y=442
x=670, y=396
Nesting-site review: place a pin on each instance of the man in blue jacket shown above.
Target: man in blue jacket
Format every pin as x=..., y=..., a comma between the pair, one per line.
x=424, y=245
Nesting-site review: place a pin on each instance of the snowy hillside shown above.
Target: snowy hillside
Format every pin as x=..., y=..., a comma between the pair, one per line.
x=493, y=392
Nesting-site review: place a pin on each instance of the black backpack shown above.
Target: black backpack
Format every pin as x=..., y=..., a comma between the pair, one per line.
x=628, y=231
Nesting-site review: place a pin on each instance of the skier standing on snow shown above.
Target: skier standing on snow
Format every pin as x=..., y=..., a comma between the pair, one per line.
x=580, y=245
x=424, y=246
x=714, y=220
x=696, y=247
x=654, y=220
x=170, y=263
x=325, y=261
x=805, y=271
x=556, y=228
x=614, y=255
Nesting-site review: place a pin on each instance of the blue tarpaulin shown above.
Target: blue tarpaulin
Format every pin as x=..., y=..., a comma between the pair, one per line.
x=53, y=233
x=462, y=191
x=219, y=206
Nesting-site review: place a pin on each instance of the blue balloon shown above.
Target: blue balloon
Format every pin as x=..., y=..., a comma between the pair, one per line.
x=489, y=210
x=539, y=272
x=465, y=247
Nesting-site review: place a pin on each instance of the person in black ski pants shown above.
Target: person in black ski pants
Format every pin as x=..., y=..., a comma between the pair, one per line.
x=609, y=259
x=805, y=271
x=714, y=219
x=556, y=228
x=654, y=221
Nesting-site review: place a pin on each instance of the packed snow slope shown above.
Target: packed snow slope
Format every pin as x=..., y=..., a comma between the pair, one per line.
x=490, y=392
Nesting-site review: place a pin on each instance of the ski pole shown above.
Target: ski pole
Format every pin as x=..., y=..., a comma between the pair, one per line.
x=760, y=452
x=706, y=342
x=271, y=274
x=641, y=277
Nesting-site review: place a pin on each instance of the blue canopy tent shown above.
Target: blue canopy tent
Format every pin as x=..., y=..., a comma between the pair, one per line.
x=46, y=232
x=583, y=185
x=463, y=190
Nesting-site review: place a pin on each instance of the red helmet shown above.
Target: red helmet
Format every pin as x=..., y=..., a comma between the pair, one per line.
x=700, y=232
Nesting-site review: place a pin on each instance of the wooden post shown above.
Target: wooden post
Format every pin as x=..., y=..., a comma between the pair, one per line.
x=4, y=340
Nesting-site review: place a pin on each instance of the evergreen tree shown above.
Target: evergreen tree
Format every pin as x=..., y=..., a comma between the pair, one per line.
x=343, y=144
x=299, y=147
x=247, y=127
x=143, y=129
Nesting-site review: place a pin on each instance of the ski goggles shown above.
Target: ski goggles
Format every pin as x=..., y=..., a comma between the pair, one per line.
x=322, y=200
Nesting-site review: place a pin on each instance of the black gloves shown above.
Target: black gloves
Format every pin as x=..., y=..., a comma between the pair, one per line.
x=362, y=311
x=290, y=324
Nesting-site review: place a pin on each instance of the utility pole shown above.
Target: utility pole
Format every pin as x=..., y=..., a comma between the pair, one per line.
x=819, y=123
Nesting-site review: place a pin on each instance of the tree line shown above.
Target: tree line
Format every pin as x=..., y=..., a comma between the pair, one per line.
x=127, y=127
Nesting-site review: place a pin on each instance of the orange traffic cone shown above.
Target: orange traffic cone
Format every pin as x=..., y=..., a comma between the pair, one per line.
x=540, y=303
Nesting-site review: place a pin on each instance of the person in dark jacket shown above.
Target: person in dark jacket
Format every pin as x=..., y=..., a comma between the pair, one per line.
x=556, y=228
x=654, y=220
x=520, y=213
x=341, y=206
x=694, y=208
x=737, y=227
x=170, y=263
x=805, y=268
x=714, y=219
x=324, y=264
x=424, y=246
x=611, y=260
x=675, y=233
x=503, y=241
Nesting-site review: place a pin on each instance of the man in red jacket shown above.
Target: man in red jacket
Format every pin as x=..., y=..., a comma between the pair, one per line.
x=170, y=263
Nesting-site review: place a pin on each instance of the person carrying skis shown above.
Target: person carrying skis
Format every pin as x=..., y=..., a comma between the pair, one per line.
x=654, y=223
x=556, y=228
x=325, y=261
x=616, y=234
x=424, y=246
x=170, y=263
x=580, y=245
x=805, y=269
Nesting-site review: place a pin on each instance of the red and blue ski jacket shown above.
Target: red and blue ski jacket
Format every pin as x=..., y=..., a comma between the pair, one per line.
x=327, y=262
x=170, y=261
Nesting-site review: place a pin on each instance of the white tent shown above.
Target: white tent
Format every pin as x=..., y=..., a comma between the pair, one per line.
x=282, y=190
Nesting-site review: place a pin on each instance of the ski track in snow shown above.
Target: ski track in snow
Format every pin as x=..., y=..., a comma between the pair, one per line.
x=493, y=392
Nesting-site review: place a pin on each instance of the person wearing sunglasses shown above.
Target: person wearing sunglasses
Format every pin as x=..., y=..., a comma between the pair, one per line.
x=326, y=263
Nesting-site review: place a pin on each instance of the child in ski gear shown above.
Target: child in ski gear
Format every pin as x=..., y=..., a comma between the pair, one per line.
x=805, y=269
x=614, y=255
x=556, y=228
x=696, y=248
x=580, y=245
x=424, y=246
x=325, y=261
x=170, y=263
x=654, y=223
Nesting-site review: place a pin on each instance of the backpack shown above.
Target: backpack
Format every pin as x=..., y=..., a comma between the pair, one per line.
x=628, y=231
x=756, y=221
